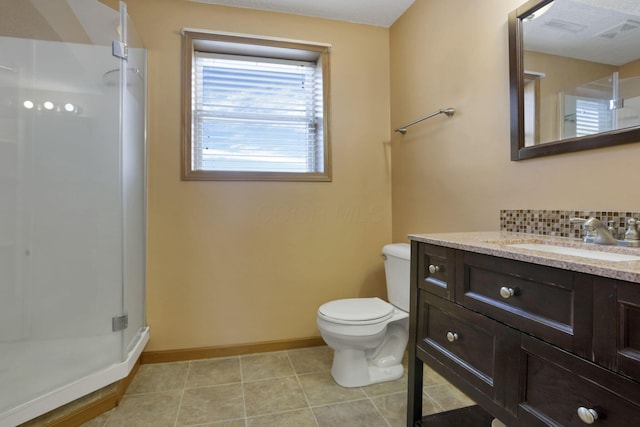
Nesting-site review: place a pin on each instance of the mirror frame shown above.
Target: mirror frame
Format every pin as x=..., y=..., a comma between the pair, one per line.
x=516, y=89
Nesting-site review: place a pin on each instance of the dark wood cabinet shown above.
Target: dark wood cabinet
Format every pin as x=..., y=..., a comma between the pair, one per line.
x=555, y=385
x=453, y=335
x=616, y=336
x=550, y=303
x=437, y=266
x=533, y=345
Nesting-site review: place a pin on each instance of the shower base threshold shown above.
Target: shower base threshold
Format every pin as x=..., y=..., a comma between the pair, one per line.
x=76, y=389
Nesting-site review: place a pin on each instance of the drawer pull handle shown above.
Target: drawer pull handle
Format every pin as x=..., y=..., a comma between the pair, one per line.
x=434, y=268
x=507, y=292
x=452, y=336
x=588, y=416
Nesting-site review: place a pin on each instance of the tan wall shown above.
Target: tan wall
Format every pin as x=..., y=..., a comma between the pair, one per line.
x=630, y=76
x=631, y=69
x=232, y=263
x=51, y=20
x=455, y=174
x=246, y=262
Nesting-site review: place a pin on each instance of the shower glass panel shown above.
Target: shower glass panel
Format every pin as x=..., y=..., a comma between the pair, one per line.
x=133, y=117
x=586, y=109
x=72, y=199
x=602, y=105
x=628, y=111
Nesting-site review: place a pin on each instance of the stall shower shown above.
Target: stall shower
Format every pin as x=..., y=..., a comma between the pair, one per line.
x=72, y=202
x=603, y=105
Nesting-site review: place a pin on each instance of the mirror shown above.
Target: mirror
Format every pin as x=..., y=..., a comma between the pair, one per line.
x=574, y=76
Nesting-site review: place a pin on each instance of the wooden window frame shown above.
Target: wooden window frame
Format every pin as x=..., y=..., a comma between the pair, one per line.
x=195, y=40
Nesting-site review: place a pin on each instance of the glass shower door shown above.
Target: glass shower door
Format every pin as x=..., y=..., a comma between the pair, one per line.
x=61, y=204
x=587, y=108
x=602, y=105
x=628, y=113
x=132, y=136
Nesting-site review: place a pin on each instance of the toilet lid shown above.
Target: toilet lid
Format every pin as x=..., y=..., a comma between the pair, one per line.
x=357, y=309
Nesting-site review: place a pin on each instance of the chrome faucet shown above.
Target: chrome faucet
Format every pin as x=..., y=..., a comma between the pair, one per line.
x=595, y=231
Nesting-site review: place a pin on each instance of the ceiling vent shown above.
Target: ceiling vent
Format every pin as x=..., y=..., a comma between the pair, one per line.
x=571, y=27
x=619, y=30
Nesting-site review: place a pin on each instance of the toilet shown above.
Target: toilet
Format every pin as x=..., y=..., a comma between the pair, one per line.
x=369, y=335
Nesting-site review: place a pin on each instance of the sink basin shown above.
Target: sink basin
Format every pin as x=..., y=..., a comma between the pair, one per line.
x=563, y=250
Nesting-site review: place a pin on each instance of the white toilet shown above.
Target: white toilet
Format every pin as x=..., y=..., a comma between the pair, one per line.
x=369, y=335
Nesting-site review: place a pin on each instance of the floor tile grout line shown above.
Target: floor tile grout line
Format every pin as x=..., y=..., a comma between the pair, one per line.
x=435, y=402
x=372, y=395
x=286, y=411
x=212, y=385
x=184, y=387
x=378, y=410
x=208, y=423
x=339, y=402
x=304, y=393
x=244, y=400
x=269, y=379
x=109, y=413
x=175, y=422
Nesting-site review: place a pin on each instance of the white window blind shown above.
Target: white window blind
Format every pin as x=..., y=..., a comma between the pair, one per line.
x=253, y=114
x=592, y=116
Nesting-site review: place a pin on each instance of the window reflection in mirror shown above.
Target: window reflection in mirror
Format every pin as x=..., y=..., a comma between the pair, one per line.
x=581, y=64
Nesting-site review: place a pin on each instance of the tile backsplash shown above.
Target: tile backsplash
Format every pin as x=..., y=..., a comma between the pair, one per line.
x=556, y=222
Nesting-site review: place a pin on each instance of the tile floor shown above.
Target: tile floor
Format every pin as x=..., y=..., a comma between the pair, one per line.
x=287, y=388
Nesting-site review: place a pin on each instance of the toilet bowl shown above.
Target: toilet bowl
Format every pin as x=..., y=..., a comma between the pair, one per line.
x=369, y=335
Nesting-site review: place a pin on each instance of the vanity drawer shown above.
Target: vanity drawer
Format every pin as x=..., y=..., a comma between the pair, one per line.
x=555, y=383
x=550, y=303
x=436, y=270
x=467, y=343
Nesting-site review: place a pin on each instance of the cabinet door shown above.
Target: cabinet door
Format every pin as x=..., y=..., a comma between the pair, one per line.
x=436, y=270
x=556, y=385
x=617, y=326
x=472, y=346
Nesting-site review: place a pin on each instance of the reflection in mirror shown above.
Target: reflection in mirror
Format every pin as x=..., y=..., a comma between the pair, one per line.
x=575, y=71
x=531, y=107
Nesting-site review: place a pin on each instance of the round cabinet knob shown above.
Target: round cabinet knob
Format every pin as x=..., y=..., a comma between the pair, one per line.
x=507, y=292
x=434, y=268
x=588, y=416
x=452, y=336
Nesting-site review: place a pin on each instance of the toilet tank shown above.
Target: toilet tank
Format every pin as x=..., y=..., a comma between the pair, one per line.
x=397, y=270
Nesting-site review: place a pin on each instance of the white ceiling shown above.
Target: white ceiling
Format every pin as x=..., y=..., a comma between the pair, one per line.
x=604, y=31
x=381, y=13
x=593, y=17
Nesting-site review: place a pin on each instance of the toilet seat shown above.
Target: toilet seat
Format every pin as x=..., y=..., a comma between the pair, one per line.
x=356, y=311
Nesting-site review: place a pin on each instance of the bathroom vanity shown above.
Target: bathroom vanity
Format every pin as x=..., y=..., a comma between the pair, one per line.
x=531, y=328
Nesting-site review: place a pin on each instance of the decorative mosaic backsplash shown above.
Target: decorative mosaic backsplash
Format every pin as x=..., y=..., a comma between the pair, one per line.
x=556, y=223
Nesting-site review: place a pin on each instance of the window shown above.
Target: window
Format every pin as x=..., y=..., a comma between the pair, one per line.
x=254, y=109
x=592, y=116
x=585, y=116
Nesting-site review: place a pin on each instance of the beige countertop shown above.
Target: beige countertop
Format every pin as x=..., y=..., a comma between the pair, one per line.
x=497, y=243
